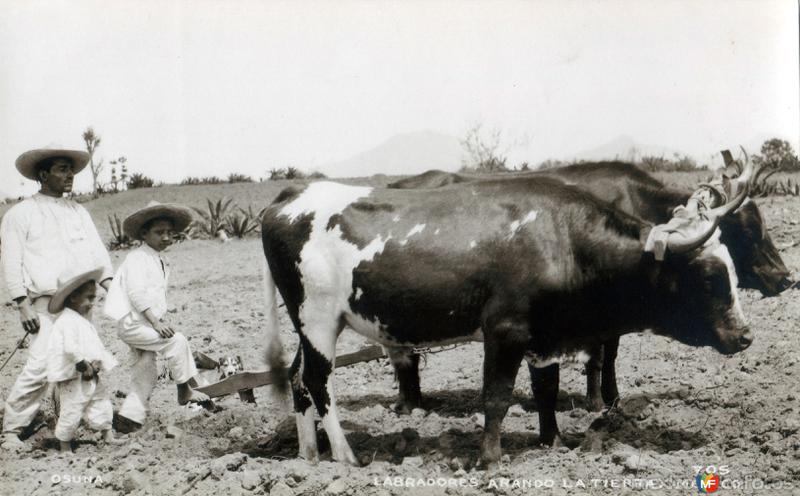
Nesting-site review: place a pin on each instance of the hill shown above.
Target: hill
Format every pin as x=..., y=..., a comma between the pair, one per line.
x=627, y=149
x=409, y=153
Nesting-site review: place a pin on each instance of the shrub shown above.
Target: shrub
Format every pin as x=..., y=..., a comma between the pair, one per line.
x=138, y=180
x=213, y=219
x=190, y=181
x=551, y=164
x=240, y=225
x=294, y=173
x=761, y=187
x=194, y=181
x=250, y=214
x=235, y=177
x=277, y=174
x=317, y=175
x=678, y=163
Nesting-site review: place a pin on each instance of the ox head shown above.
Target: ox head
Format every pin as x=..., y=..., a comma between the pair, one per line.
x=695, y=280
x=757, y=260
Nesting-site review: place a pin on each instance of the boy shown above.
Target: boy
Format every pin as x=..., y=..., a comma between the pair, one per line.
x=76, y=358
x=137, y=299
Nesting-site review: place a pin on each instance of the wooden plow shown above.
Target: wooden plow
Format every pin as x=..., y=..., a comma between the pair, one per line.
x=248, y=380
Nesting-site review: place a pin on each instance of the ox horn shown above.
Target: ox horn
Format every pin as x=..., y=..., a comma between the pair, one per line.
x=746, y=173
x=714, y=216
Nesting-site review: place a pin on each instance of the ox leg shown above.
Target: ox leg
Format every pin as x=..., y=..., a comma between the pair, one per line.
x=545, y=388
x=406, y=368
x=319, y=359
x=593, y=369
x=504, y=347
x=609, y=386
x=304, y=411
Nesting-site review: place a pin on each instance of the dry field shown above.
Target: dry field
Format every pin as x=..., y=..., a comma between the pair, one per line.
x=681, y=407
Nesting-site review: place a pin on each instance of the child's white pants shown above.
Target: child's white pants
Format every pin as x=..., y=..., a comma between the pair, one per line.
x=144, y=374
x=81, y=399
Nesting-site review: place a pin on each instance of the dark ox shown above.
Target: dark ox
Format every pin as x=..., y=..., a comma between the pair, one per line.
x=631, y=190
x=530, y=267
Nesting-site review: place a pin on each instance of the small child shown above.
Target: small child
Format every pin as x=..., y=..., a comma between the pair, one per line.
x=76, y=358
x=137, y=300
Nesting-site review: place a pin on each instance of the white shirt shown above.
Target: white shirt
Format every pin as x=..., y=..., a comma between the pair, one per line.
x=72, y=339
x=42, y=236
x=140, y=283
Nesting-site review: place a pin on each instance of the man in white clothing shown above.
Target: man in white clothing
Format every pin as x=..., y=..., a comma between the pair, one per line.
x=39, y=238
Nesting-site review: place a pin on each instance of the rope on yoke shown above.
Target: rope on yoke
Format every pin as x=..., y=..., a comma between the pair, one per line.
x=424, y=352
x=430, y=351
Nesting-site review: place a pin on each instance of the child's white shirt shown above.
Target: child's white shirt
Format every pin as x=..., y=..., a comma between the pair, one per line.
x=139, y=283
x=73, y=339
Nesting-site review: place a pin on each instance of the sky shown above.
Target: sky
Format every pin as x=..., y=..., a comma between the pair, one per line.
x=194, y=88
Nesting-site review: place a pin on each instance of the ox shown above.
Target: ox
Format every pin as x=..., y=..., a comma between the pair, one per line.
x=630, y=189
x=530, y=267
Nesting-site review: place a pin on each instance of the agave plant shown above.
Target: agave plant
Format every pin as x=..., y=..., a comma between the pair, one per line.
x=250, y=214
x=119, y=239
x=792, y=189
x=240, y=225
x=213, y=219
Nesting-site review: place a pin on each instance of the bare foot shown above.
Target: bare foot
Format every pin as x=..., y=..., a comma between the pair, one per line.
x=12, y=442
x=188, y=395
x=108, y=437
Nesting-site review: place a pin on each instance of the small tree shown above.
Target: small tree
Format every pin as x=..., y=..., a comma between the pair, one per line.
x=117, y=183
x=92, y=141
x=778, y=154
x=138, y=180
x=482, y=152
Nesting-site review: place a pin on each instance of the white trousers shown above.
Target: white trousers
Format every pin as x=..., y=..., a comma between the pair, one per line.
x=144, y=373
x=81, y=399
x=31, y=386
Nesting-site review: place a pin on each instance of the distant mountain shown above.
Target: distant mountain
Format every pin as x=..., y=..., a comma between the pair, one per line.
x=625, y=148
x=409, y=153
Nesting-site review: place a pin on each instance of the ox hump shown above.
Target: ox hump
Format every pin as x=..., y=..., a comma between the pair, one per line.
x=324, y=199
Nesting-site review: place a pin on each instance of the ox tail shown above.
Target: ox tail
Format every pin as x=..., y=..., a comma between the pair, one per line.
x=274, y=347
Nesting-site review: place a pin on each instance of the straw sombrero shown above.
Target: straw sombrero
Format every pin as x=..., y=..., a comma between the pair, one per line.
x=69, y=282
x=27, y=162
x=180, y=216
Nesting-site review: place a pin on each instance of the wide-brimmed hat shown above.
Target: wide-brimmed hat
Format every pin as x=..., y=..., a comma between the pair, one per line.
x=179, y=215
x=27, y=162
x=68, y=282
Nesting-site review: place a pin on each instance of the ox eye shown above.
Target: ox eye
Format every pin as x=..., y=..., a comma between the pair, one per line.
x=718, y=285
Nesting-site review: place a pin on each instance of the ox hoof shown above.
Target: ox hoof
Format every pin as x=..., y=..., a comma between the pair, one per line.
x=552, y=442
x=403, y=408
x=349, y=459
x=595, y=404
x=406, y=407
x=312, y=458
